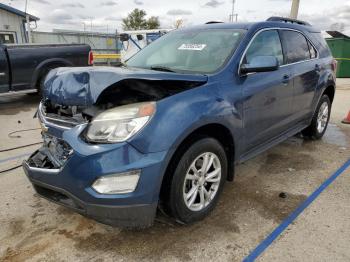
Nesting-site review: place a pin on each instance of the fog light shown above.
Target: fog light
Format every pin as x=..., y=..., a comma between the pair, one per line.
x=120, y=183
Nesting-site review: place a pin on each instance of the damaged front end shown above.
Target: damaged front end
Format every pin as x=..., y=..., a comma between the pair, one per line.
x=110, y=87
x=52, y=155
x=75, y=96
x=88, y=116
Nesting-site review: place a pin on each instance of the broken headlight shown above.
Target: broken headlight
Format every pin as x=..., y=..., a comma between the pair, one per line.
x=120, y=123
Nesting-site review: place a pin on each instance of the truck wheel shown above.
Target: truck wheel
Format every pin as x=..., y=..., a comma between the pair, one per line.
x=198, y=181
x=320, y=120
x=42, y=81
x=40, y=84
x=43, y=76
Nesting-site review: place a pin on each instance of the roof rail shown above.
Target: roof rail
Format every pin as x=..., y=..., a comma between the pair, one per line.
x=287, y=20
x=213, y=22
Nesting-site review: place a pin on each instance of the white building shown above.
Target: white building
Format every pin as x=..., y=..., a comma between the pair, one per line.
x=13, y=25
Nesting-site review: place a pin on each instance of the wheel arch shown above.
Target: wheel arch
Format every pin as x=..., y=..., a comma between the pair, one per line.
x=214, y=130
x=49, y=63
x=330, y=92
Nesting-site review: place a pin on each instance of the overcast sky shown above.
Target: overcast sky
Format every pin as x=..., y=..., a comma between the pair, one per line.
x=107, y=14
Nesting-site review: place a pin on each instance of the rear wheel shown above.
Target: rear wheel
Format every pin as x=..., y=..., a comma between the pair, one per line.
x=40, y=82
x=197, y=181
x=42, y=78
x=320, y=120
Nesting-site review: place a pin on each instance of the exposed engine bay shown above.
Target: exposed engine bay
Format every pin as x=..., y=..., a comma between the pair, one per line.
x=125, y=92
x=75, y=96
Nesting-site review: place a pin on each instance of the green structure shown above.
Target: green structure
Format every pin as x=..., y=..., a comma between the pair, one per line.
x=340, y=47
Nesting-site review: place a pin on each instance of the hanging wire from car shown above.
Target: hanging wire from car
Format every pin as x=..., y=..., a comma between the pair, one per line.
x=11, y=135
x=18, y=147
x=10, y=169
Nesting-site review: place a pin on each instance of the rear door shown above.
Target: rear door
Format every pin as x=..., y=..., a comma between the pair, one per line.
x=267, y=96
x=301, y=59
x=4, y=72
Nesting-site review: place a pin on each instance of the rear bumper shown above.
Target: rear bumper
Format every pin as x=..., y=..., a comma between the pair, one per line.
x=135, y=215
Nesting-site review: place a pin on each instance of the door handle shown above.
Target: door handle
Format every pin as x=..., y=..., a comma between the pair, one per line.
x=285, y=79
x=317, y=68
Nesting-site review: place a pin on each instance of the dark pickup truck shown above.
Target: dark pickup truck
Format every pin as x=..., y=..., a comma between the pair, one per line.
x=23, y=67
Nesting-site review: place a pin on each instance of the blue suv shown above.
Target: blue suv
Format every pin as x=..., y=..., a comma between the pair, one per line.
x=166, y=129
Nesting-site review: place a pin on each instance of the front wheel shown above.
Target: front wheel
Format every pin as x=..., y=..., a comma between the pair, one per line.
x=198, y=181
x=320, y=120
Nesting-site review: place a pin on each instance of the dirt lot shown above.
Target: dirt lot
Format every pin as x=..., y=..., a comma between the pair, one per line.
x=250, y=208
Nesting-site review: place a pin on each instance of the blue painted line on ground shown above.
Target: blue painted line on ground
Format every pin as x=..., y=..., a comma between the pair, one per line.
x=285, y=223
x=14, y=157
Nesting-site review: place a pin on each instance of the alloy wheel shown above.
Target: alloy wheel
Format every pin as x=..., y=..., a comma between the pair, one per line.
x=202, y=181
x=322, y=117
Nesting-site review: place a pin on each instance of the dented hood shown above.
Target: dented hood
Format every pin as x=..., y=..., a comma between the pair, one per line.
x=81, y=86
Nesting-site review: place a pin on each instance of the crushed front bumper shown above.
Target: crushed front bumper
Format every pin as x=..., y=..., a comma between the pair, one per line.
x=125, y=216
x=69, y=182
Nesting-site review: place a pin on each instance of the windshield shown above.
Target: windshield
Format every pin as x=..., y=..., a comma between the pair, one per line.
x=199, y=51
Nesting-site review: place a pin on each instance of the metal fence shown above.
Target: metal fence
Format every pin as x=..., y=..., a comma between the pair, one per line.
x=104, y=46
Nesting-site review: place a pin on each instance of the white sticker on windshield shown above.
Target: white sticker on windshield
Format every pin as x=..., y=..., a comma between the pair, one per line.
x=197, y=47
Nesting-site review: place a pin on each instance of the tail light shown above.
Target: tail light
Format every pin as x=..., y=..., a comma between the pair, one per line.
x=91, y=58
x=334, y=65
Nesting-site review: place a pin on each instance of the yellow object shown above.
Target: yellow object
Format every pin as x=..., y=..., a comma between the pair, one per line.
x=109, y=41
x=348, y=59
x=107, y=56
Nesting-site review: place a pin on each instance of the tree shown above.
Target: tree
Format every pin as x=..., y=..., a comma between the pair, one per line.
x=178, y=23
x=136, y=21
x=153, y=22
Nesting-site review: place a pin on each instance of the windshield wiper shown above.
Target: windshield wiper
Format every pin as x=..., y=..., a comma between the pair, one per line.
x=162, y=68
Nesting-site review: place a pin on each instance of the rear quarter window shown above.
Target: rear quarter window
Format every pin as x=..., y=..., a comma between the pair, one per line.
x=295, y=45
x=321, y=44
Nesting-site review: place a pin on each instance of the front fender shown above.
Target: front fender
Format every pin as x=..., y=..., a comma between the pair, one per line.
x=179, y=115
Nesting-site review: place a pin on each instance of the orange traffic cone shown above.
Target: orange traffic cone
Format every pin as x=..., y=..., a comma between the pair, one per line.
x=346, y=120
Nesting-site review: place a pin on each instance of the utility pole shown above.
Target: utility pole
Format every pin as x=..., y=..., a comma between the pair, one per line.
x=232, y=15
x=28, y=23
x=294, y=10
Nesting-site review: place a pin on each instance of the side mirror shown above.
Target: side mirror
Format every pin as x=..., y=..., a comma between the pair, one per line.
x=260, y=64
x=139, y=37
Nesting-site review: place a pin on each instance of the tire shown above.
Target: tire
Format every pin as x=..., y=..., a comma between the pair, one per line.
x=41, y=83
x=182, y=210
x=320, y=120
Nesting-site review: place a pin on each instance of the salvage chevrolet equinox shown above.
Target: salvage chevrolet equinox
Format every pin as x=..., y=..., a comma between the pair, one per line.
x=166, y=129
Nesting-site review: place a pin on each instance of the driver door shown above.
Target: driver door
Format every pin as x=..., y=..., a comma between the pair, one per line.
x=268, y=96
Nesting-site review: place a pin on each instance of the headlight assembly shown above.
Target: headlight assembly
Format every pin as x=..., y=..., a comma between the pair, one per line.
x=120, y=123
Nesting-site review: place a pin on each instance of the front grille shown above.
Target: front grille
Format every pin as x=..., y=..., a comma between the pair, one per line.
x=59, y=117
x=52, y=155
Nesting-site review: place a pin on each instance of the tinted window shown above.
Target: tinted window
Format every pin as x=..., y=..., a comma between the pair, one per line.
x=266, y=43
x=313, y=52
x=295, y=46
x=320, y=44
